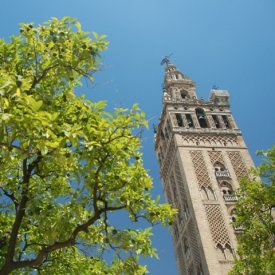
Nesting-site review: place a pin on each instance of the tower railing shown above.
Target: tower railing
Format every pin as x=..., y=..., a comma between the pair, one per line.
x=222, y=174
x=230, y=197
x=238, y=229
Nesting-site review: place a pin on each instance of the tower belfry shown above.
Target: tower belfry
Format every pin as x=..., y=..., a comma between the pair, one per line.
x=202, y=157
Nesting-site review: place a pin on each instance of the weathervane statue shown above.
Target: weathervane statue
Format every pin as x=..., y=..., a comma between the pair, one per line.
x=166, y=60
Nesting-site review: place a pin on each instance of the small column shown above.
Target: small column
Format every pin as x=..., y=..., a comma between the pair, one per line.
x=195, y=121
x=221, y=122
x=185, y=122
x=211, y=121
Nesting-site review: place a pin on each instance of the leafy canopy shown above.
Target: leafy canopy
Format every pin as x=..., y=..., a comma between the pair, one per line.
x=66, y=165
x=255, y=213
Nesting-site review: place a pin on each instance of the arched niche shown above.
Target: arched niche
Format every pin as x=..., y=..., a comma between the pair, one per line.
x=184, y=94
x=219, y=167
x=207, y=193
x=201, y=118
x=220, y=252
x=226, y=188
x=228, y=252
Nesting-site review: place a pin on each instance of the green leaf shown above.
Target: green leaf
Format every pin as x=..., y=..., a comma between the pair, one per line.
x=96, y=36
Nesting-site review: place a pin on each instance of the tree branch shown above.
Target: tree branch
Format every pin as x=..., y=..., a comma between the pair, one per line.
x=27, y=170
x=11, y=197
x=43, y=74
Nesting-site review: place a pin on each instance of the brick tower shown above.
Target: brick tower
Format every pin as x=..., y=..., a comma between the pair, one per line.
x=202, y=157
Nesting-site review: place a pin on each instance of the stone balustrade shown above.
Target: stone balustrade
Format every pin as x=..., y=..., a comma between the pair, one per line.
x=222, y=174
x=230, y=197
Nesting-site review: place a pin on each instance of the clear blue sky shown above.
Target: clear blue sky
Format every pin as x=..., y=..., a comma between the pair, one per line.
x=227, y=43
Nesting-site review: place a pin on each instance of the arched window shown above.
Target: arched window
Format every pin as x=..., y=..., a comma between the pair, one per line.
x=208, y=193
x=227, y=192
x=184, y=94
x=176, y=231
x=199, y=270
x=220, y=171
x=162, y=135
x=233, y=215
x=186, y=249
x=186, y=211
x=201, y=118
x=159, y=158
x=216, y=121
x=228, y=252
x=191, y=270
x=211, y=195
x=168, y=126
x=166, y=133
x=181, y=217
x=220, y=252
x=204, y=193
x=226, y=122
x=179, y=120
x=189, y=120
x=219, y=167
x=226, y=188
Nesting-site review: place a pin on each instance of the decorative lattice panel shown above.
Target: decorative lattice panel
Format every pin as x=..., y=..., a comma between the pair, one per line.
x=216, y=156
x=168, y=159
x=193, y=242
x=217, y=224
x=210, y=140
x=168, y=194
x=180, y=260
x=238, y=164
x=200, y=169
x=174, y=191
x=179, y=180
x=163, y=144
x=191, y=270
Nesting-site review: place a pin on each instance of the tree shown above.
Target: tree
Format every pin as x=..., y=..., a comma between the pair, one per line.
x=255, y=214
x=66, y=165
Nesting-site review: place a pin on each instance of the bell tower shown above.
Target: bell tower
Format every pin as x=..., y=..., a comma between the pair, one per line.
x=202, y=157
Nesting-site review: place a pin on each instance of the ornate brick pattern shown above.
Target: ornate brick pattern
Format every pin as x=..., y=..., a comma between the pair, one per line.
x=180, y=259
x=216, y=156
x=217, y=224
x=193, y=242
x=168, y=194
x=200, y=169
x=179, y=180
x=174, y=191
x=210, y=140
x=168, y=159
x=238, y=164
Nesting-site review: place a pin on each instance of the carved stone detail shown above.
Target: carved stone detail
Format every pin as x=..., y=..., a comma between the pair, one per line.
x=238, y=164
x=193, y=242
x=176, y=201
x=217, y=224
x=210, y=140
x=216, y=156
x=199, y=165
x=168, y=160
x=211, y=121
x=180, y=181
x=180, y=259
x=169, y=194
